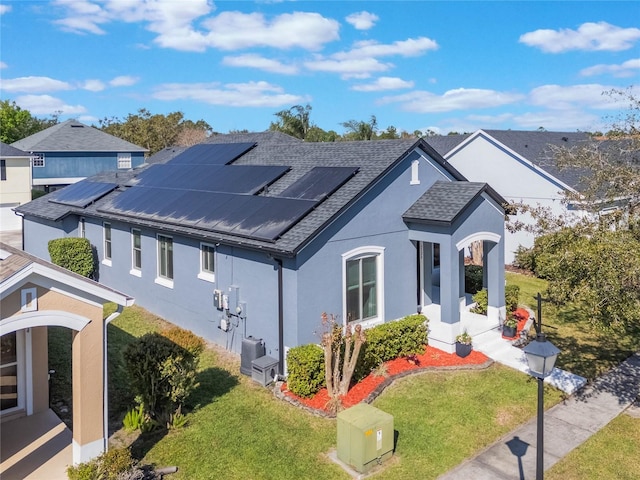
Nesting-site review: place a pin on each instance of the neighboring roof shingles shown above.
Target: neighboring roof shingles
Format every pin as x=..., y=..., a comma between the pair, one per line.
x=73, y=136
x=444, y=202
x=9, y=151
x=373, y=158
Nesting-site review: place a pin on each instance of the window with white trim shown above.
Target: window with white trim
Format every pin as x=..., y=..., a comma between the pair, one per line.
x=106, y=230
x=363, y=284
x=38, y=159
x=207, y=262
x=136, y=250
x=124, y=160
x=165, y=258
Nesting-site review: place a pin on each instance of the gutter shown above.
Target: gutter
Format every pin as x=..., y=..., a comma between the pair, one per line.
x=105, y=386
x=280, y=318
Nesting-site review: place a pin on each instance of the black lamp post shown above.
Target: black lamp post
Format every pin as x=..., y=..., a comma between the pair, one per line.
x=541, y=357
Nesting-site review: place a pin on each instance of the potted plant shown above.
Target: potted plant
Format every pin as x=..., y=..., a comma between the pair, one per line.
x=463, y=344
x=510, y=327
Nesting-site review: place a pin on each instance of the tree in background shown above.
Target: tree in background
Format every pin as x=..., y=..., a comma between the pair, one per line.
x=295, y=121
x=156, y=132
x=361, y=130
x=16, y=123
x=594, y=260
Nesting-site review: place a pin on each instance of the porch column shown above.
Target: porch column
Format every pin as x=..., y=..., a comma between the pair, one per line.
x=461, y=290
x=427, y=272
x=88, y=409
x=449, y=282
x=495, y=288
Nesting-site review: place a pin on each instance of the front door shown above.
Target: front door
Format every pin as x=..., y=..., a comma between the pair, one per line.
x=11, y=372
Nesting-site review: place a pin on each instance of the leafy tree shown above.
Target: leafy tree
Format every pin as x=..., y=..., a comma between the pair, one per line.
x=295, y=121
x=361, y=130
x=155, y=132
x=16, y=123
x=594, y=260
x=390, y=133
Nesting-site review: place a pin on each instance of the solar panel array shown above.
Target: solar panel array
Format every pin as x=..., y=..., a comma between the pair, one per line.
x=82, y=193
x=319, y=182
x=199, y=189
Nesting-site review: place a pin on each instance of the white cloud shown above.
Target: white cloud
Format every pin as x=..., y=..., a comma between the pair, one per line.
x=348, y=68
x=33, y=85
x=459, y=99
x=250, y=94
x=47, y=105
x=569, y=120
x=362, y=20
x=123, y=81
x=600, y=36
x=5, y=9
x=556, y=97
x=412, y=47
x=260, y=63
x=629, y=68
x=93, y=85
x=3, y=65
x=383, y=83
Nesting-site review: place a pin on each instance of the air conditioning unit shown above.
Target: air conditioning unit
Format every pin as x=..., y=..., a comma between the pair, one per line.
x=264, y=370
x=252, y=348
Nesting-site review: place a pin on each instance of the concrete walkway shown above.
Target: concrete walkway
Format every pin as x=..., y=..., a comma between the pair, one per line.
x=566, y=426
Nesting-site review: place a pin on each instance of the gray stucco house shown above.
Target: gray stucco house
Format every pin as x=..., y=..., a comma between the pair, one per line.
x=71, y=151
x=258, y=234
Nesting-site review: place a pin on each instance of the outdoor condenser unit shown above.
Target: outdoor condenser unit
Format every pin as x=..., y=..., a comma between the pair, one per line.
x=264, y=370
x=252, y=348
x=365, y=436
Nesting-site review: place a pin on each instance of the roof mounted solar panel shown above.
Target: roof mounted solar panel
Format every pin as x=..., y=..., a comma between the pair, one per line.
x=211, y=154
x=319, y=182
x=272, y=219
x=82, y=193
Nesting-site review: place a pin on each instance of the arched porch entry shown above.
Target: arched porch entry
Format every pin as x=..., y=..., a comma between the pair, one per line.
x=440, y=233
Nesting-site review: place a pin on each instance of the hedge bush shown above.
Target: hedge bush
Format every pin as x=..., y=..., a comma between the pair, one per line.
x=392, y=340
x=186, y=339
x=511, y=297
x=306, y=370
x=481, y=298
x=472, y=278
x=72, y=253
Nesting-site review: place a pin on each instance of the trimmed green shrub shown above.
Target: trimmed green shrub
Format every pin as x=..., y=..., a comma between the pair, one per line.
x=392, y=340
x=111, y=465
x=472, y=278
x=162, y=374
x=511, y=297
x=72, y=253
x=306, y=370
x=481, y=298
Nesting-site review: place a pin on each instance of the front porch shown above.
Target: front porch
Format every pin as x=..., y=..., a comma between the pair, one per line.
x=35, y=447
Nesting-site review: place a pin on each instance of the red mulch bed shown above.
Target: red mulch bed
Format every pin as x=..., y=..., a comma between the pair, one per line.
x=431, y=358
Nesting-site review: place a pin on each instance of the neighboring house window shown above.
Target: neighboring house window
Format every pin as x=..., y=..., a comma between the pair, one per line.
x=136, y=251
x=9, y=371
x=107, y=243
x=363, y=281
x=3, y=169
x=124, y=160
x=38, y=159
x=165, y=260
x=207, y=262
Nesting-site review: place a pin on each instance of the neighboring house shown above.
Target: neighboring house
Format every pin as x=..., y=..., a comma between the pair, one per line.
x=35, y=295
x=520, y=166
x=246, y=236
x=15, y=185
x=71, y=151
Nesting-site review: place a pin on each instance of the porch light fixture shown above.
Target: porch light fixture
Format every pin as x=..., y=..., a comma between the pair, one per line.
x=541, y=357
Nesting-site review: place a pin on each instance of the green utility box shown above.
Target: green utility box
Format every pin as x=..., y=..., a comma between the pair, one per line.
x=365, y=436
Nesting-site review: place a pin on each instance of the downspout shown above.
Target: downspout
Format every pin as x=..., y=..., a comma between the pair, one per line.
x=418, y=277
x=105, y=386
x=280, y=319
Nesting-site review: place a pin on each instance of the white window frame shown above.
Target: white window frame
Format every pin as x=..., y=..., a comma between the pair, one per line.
x=207, y=275
x=29, y=299
x=124, y=161
x=136, y=269
x=38, y=160
x=163, y=279
x=107, y=243
x=359, y=253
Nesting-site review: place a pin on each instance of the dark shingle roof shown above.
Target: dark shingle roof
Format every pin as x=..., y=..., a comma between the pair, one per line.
x=73, y=136
x=374, y=159
x=445, y=201
x=9, y=151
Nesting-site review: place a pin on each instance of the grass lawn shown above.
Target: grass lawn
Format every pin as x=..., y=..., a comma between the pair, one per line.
x=239, y=430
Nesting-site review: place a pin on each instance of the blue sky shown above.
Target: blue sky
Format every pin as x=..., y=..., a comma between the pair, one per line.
x=416, y=65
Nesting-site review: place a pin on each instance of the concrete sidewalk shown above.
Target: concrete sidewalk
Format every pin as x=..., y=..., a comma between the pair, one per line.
x=566, y=426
